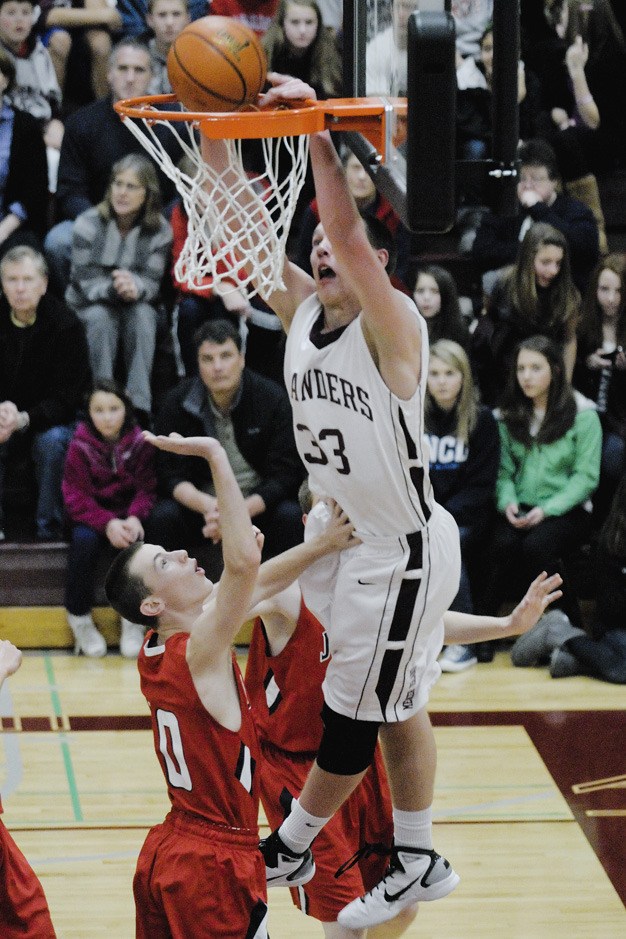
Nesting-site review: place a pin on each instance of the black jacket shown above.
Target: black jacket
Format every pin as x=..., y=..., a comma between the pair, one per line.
x=44, y=368
x=464, y=475
x=263, y=433
x=27, y=180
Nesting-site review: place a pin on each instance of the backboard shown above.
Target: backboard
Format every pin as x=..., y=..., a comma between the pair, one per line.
x=404, y=51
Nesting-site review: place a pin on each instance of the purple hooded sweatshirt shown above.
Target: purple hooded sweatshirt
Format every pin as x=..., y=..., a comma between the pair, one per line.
x=105, y=480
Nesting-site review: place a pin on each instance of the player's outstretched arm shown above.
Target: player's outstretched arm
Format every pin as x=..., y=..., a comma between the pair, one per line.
x=468, y=627
x=214, y=631
x=390, y=326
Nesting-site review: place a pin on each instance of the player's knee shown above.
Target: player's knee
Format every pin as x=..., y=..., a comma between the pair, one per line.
x=348, y=745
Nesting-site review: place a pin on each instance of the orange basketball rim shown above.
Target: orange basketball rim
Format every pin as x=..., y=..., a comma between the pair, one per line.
x=371, y=117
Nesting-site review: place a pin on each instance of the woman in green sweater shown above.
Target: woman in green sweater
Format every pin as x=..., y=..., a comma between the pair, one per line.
x=551, y=442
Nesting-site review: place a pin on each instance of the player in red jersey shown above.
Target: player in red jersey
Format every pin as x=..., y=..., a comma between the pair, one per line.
x=24, y=911
x=200, y=872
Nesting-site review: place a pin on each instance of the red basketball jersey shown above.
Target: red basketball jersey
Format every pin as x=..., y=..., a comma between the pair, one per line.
x=286, y=689
x=209, y=769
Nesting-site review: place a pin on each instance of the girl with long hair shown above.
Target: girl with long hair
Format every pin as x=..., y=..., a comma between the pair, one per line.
x=551, y=441
x=120, y=250
x=464, y=457
x=436, y=296
x=536, y=296
x=297, y=43
x=109, y=489
x=600, y=371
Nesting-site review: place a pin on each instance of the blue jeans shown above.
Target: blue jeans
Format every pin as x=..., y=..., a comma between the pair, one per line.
x=58, y=251
x=613, y=457
x=86, y=546
x=463, y=603
x=48, y=450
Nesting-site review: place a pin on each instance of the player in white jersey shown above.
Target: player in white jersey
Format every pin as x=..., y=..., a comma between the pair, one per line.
x=356, y=365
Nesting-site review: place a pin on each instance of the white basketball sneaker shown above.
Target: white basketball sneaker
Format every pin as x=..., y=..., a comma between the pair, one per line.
x=413, y=874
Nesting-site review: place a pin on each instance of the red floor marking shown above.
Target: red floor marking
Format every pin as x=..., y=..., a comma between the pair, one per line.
x=577, y=747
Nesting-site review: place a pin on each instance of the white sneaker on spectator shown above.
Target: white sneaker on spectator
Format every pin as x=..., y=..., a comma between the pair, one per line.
x=457, y=658
x=87, y=639
x=131, y=639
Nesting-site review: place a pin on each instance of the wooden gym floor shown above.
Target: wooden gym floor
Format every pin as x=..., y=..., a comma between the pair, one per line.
x=530, y=801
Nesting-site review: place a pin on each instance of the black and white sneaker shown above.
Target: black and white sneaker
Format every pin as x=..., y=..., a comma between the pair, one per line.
x=413, y=874
x=283, y=867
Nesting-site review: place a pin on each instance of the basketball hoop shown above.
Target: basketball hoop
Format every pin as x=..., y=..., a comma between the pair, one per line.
x=239, y=222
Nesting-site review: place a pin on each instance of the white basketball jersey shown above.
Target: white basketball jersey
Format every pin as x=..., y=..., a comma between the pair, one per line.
x=361, y=444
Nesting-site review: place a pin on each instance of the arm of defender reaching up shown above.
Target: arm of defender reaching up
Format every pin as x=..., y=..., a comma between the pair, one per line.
x=468, y=627
x=214, y=631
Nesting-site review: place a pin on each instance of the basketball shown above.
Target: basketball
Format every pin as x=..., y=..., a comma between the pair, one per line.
x=216, y=64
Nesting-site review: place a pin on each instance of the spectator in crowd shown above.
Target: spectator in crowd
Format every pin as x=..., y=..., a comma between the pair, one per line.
x=471, y=18
x=23, y=170
x=599, y=652
x=120, y=251
x=436, y=297
x=600, y=371
x=386, y=54
x=257, y=14
x=36, y=89
x=297, y=44
x=24, y=909
x=166, y=19
x=95, y=138
x=44, y=375
x=134, y=15
x=539, y=200
x=109, y=488
x=90, y=24
x=251, y=416
x=474, y=101
x=602, y=654
x=551, y=442
x=566, y=114
x=370, y=202
x=536, y=295
x=464, y=459
x=549, y=29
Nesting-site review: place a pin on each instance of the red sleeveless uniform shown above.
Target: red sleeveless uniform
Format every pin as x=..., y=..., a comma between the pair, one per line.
x=200, y=873
x=24, y=911
x=286, y=695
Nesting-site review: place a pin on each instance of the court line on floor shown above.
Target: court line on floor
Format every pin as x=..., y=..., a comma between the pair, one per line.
x=63, y=741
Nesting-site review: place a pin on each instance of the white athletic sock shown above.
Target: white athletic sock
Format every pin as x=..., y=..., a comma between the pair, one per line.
x=299, y=828
x=413, y=829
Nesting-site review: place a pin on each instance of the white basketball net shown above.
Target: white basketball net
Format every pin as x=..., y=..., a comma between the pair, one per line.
x=238, y=223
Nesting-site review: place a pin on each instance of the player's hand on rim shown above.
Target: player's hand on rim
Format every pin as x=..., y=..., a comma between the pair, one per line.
x=285, y=90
